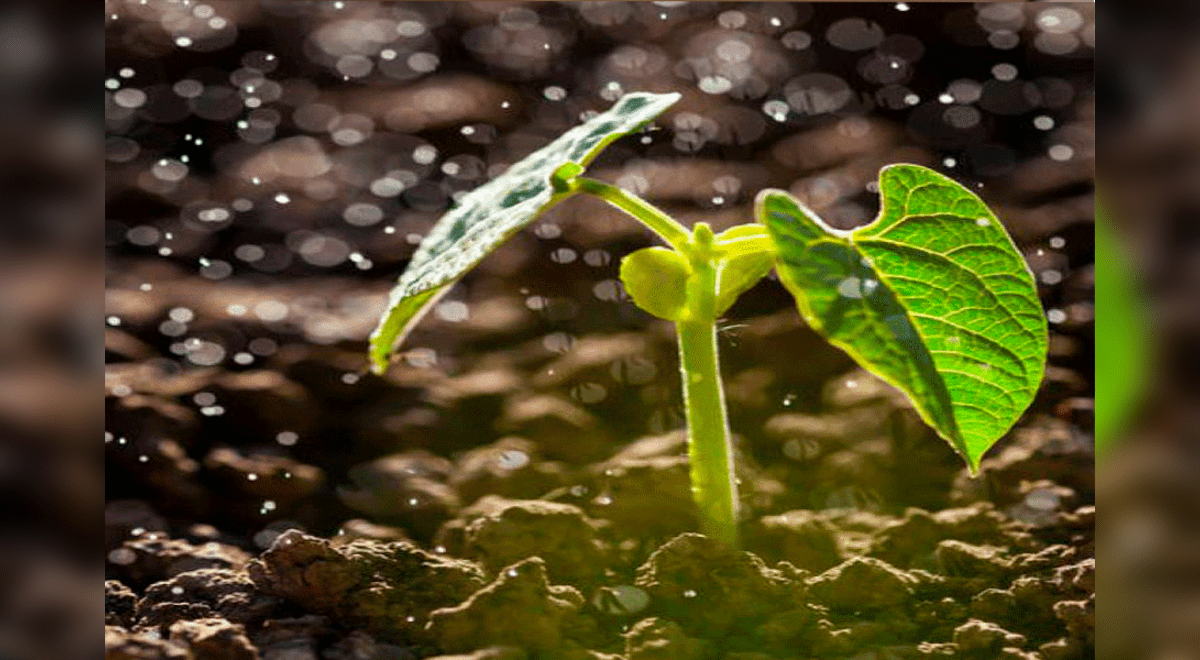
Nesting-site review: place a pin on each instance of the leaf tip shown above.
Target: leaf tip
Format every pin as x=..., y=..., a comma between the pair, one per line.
x=973, y=467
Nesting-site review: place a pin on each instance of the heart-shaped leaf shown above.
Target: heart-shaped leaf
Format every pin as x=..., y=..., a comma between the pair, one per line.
x=488, y=215
x=932, y=296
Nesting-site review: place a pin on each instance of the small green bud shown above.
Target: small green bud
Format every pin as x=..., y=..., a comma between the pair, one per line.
x=656, y=278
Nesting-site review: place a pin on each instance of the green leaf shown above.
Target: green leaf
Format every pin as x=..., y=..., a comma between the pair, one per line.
x=739, y=271
x=932, y=296
x=656, y=278
x=491, y=213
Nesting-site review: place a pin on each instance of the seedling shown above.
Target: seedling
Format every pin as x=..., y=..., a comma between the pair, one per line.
x=932, y=296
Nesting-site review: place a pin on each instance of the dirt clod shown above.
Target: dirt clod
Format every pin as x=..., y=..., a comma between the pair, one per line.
x=862, y=582
x=519, y=608
x=388, y=588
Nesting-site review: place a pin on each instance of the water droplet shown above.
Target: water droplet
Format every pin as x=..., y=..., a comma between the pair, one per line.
x=512, y=572
x=1058, y=242
x=796, y=40
x=603, y=500
x=714, y=84
x=421, y=358
x=122, y=556
x=789, y=400
x=1004, y=71
x=621, y=600
x=690, y=593
x=1060, y=152
x=597, y=258
x=589, y=393
x=634, y=370
x=452, y=311
x=424, y=154
x=512, y=459
x=801, y=449
x=554, y=93
x=547, y=230
x=1042, y=500
x=983, y=222
x=563, y=255
x=852, y=287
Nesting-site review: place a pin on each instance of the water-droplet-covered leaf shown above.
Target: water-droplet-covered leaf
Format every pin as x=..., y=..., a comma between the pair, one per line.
x=656, y=279
x=491, y=213
x=932, y=296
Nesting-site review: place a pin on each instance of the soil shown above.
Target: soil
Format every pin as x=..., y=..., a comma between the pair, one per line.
x=515, y=522
x=516, y=486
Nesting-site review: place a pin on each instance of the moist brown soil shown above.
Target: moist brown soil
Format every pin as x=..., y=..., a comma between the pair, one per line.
x=504, y=507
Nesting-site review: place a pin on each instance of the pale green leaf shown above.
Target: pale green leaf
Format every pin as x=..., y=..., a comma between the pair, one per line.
x=491, y=213
x=744, y=263
x=932, y=296
x=656, y=279
x=738, y=273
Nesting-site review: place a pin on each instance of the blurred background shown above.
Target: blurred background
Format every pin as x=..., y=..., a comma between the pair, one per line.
x=1148, y=479
x=252, y=146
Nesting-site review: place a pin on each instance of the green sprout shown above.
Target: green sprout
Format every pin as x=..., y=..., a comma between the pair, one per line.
x=932, y=296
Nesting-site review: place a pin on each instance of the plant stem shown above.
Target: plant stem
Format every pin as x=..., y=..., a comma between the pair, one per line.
x=710, y=453
x=660, y=223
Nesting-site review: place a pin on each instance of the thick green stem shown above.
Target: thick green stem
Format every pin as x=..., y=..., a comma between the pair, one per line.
x=710, y=452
